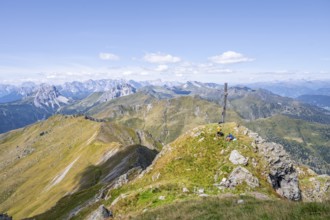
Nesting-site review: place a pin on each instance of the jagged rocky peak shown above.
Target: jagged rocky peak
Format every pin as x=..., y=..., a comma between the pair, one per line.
x=47, y=96
x=102, y=84
x=121, y=89
x=72, y=87
x=79, y=90
x=189, y=84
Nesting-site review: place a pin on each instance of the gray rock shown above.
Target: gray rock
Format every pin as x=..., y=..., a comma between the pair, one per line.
x=203, y=195
x=238, y=176
x=256, y=137
x=317, y=189
x=100, y=214
x=281, y=174
x=254, y=162
x=123, y=179
x=236, y=158
x=240, y=201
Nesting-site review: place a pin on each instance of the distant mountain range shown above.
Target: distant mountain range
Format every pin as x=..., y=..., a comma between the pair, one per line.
x=295, y=88
x=37, y=102
x=31, y=102
x=322, y=101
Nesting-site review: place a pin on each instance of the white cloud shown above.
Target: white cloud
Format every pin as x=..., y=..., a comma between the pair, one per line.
x=161, y=58
x=126, y=73
x=144, y=73
x=229, y=57
x=161, y=68
x=108, y=56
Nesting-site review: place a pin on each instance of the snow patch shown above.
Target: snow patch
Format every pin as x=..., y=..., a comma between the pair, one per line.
x=63, y=99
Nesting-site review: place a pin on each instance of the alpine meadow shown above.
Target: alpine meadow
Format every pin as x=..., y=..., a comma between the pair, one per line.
x=164, y=109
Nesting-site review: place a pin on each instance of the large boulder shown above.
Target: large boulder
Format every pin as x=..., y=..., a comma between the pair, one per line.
x=100, y=214
x=238, y=176
x=236, y=158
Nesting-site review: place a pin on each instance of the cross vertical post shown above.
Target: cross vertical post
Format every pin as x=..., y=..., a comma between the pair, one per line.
x=225, y=103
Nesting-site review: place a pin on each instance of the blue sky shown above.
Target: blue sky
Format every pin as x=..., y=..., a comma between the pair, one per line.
x=205, y=40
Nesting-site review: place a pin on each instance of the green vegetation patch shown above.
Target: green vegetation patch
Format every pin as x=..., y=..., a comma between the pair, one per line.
x=229, y=208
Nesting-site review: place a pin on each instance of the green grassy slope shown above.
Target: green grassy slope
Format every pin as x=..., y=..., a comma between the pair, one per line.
x=165, y=119
x=196, y=160
x=228, y=208
x=46, y=161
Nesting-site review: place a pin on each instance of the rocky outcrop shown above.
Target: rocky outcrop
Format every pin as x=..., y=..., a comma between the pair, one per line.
x=238, y=176
x=126, y=177
x=316, y=189
x=280, y=171
x=48, y=96
x=100, y=214
x=236, y=158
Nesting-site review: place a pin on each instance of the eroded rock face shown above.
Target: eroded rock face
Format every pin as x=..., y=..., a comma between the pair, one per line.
x=238, y=176
x=236, y=158
x=281, y=173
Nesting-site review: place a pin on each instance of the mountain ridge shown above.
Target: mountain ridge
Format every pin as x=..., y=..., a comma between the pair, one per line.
x=185, y=169
x=62, y=155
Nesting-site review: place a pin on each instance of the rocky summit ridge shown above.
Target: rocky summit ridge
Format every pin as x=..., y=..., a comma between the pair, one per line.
x=200, y=164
